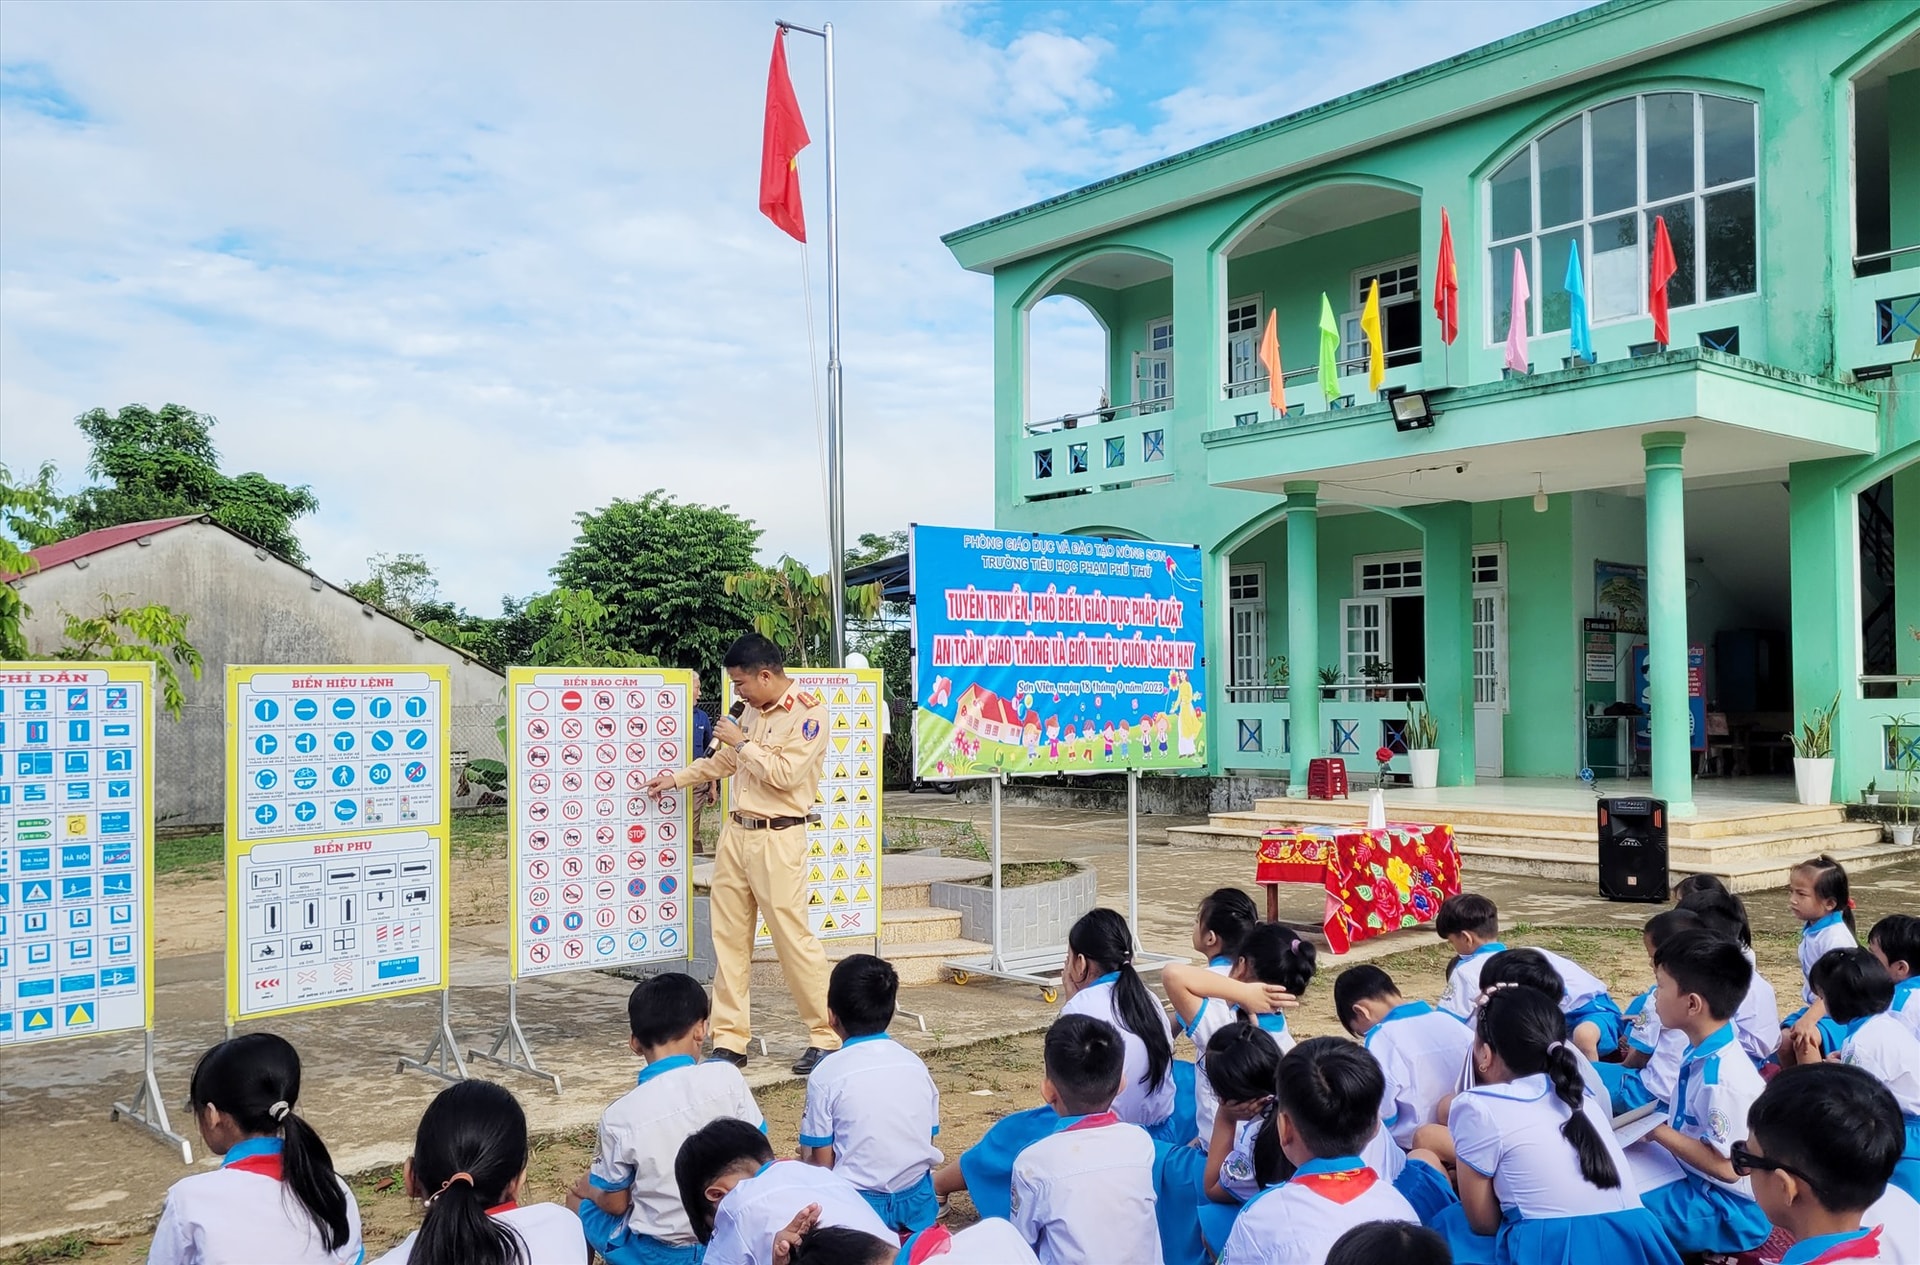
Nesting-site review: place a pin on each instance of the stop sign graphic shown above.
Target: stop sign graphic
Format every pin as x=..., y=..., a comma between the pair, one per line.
x=571, y=700
x=636, y=833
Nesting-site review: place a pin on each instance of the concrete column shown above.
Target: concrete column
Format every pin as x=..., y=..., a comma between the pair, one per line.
x=1448, y=573
x=1303, y=631
x=1667, y=622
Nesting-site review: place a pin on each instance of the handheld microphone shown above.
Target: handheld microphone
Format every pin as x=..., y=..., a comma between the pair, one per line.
x=734, y=714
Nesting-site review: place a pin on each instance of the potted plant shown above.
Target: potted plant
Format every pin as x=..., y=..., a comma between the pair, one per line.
x=1277, y=674
x=1872, y=794
x=1813, y=755
x=1423, y=747
x=1903, y=757
x=1377, y=672
x=1329, y=678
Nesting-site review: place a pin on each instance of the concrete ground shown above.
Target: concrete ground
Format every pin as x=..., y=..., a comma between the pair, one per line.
x=64, y=1167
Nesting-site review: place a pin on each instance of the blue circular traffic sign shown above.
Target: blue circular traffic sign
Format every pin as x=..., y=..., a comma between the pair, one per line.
x=343, y=709
x=416, y=740
x=669, y=884
x=379, y=708
x=342, y=775
x=346, y=810
x=305, y=778
x=266, y=744
x=380, y=774
x=637, y=941
x=265, y=814
x=305, y=709
x=343, y=741
x=416, y=771
x=416, y=707
x=572, y=921
x=381, y=739
x=266, y=779
x=605, y=946
x=306, y=744
x=305, y=811
x=539, y=924
x=636, y=887
x=266, y=709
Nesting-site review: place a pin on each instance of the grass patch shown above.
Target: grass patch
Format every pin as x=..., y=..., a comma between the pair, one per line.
x=68, y=1247
x=479, y=834
x=960, y=839
x=1028, y=873
x=190, y=852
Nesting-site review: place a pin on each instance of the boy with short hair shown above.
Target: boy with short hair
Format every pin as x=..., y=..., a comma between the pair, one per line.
x=1684, y=1167
x=1420, y=1050
x=1327, y=1110
x=872, y=1110
x=1822, y=1141
x=1895, y=940
x=1647, y=1073
x=629, y=1202
x=1470, y=924
x=1859, y=993
x=1085, y=1195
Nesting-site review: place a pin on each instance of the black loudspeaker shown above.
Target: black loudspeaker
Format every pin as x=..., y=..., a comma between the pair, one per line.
x=1633, y=849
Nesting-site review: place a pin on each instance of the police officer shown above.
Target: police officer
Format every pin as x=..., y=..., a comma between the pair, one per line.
x=761, y=862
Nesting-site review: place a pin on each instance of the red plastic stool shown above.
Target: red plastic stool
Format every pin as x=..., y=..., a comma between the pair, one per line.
x=1327, y=778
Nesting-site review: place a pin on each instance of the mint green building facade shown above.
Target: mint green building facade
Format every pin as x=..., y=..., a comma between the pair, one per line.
x=1751, y=492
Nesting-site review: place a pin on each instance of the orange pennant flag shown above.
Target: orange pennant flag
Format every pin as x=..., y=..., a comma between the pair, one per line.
x=1270, y=361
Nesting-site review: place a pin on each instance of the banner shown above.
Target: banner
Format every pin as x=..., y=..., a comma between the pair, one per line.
x=843, y=847
x=76, y=849
x=337, y=835
x=1055, y=654
x=601, y=875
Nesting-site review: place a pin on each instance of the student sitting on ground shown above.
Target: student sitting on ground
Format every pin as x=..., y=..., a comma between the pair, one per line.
x=1756, y=1024
x=1084, y=1195
x=1219, y=928
x=1858, y=994
x=1538, y=1163
x=1315, y=1185
x=1651, y=1067
x=738, y=1198
x=1818, y=895
x=1895, y=940
x=1100, y=982
x=628, y=1202
x=872, y=1110
x=1684, y=1170
x=469, y=1167
x=1419, y=1049
x=1470, y=923
x=1821, y=1144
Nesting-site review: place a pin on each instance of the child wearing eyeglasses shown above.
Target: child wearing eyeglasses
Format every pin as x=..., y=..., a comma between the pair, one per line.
x=1821, y=1143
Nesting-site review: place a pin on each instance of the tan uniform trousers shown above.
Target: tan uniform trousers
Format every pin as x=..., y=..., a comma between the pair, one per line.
x=764, y=870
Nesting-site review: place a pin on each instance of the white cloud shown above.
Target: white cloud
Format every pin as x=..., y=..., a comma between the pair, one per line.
x=468, y=270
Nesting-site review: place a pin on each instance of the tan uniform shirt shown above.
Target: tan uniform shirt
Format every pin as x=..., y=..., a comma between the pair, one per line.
x=776, y=771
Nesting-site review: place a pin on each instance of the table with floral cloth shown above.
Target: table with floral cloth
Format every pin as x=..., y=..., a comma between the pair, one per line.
x=1376, y=881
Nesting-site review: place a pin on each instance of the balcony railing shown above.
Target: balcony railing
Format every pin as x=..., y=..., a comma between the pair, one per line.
x=1099, y=416
x=1246, y=402
x=1082, y=457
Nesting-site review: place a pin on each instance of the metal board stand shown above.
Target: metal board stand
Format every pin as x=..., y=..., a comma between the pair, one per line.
x=519, y=1056
x=148, y=1110
x=442, y=1050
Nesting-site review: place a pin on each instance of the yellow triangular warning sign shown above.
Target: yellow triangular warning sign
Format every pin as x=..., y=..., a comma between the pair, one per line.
x=863, y=844
x=865, y=747
x=38, y=1019
x=864, y=696
x=828, y=924
x=866, y=722
x=840, y=770
x=866, y=770
x=840, y=848
x=840, y=822
x=760, y=930
x=864, y=822
x=863, y=894
x=863, y=796
x=839, y=873
x=79, y=1015
x=840, y=745
x=814, y=899
x=840, y=796
x=840, y=696
x=815, y=850
x=863, y=870
x=839, y=722
x=839, y=895
x=816, y=875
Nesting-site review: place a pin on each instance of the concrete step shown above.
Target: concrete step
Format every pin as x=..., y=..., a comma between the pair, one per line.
x=919, y=926
x=1764, y=818
x=1752, y=874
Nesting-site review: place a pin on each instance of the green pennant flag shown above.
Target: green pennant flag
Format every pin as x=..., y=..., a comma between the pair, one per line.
x=1329, y=350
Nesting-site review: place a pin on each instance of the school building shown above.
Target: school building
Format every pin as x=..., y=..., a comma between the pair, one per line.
x=1739, y=509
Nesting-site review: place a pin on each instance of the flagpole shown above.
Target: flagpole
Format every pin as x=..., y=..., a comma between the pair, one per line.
x=836, y=445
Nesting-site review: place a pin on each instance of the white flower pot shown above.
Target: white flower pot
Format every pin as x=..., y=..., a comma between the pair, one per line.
x=1813, y=779
x=1424, y=763
x=1870, y=798
x=1902, y=836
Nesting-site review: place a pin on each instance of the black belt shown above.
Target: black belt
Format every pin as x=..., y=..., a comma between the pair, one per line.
x=751, y=822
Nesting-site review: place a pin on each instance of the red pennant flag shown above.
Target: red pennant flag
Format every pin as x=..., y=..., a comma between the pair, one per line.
x=785, y=136
x=1446, y=290
x=1660, y=271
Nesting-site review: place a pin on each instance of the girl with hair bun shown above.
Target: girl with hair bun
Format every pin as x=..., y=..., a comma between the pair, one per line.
x=276, y=1196
x=469, y=1166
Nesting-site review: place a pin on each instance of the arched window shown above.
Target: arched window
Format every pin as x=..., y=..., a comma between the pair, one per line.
x=1597, y=181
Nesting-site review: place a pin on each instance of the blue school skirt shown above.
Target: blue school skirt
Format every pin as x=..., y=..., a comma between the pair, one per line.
x=1181, y=1205
x=910, y=1210
x=1623, y=1086
x=1699, y=1216
x=1630, y=1237
x=609, y=1236
x=1906, y=1173
x=1603, y=1013
x=987, y=1165
x=1427, y=1189
x=1182, y=1125
x=1831, y=1033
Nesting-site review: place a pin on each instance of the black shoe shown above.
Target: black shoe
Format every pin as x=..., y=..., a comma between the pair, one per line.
x=805, y=1064
x=728, y=1056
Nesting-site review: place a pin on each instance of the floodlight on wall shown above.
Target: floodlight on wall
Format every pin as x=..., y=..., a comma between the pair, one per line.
x=1411, y=410
x=1539, y=494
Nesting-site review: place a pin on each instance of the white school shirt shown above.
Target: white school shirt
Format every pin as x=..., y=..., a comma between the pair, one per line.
x=1898, y=1215
x=1663, y=1046
x=1139, y=1104
x=1882, y=1045
x=641, y=1133
x=1212, y=1016
x=1511, y=1133
x=1906, y=1003
x=1717, y=1087
x=1294, y=1224
x=987, y=1242
x=1757, y=1022
x=873, y=1102
x=761, y=1206
x=1419, y=1051
x=1463, y=985
x=550, y=1234
x=1820, y=937
x=1381, y=1154
x=236, y=1215
x=1085, y=1195
x=1581, y=984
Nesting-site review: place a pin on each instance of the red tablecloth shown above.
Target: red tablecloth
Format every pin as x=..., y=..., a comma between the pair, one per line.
x=1376, y=880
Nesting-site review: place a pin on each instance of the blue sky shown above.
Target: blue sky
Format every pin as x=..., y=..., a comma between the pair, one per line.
x=467, y=271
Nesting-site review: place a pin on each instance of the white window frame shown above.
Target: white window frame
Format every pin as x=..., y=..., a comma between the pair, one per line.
x=1529, y=242
x=1361, y=560
x=1256, y=375
x=1353, y=662
x=1153, y=353
x=1256, y=607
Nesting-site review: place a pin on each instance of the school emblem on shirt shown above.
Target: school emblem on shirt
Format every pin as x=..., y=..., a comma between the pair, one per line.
x=810, y=730
x=1717, y=1124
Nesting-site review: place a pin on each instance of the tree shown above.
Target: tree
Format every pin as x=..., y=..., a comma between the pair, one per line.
x=576, y=634
x=403, y=586
x=161, y=465
x=28, y=516
x=659, y=567
x=126, y=634
x=793, y=610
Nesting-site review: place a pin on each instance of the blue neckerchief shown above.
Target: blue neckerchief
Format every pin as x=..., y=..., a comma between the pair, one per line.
x=871, y=1036
x=1492, y=946
x=1228, y=962
x=1821, y=924
x=251, y=1147
x=1848, y=1029
x=1814, y=1248
x=1275, y=1022
x=1344, y=1164
x=1406, y=1010
x=1109, y=978
x=652, y=1070
x=1904, y=992
x=1710, y=1048
x=764, y=1167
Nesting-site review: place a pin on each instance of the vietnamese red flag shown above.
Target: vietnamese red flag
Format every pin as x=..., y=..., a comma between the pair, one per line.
x=1660, y=271
x=785, y=136
x=1446, y=290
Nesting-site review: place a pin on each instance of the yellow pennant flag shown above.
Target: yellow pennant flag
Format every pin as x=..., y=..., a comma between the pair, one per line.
x=1370, y=325
x=1270, y=361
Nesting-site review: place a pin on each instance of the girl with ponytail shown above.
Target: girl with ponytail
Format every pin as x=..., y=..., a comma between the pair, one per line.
x=469, y=1166
x=1542, y=1179
x=1269, y=970
x=276, y=1197
x=1100, y=982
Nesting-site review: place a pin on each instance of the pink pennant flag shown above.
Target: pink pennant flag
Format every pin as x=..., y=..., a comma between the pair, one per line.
x=1517, y=318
